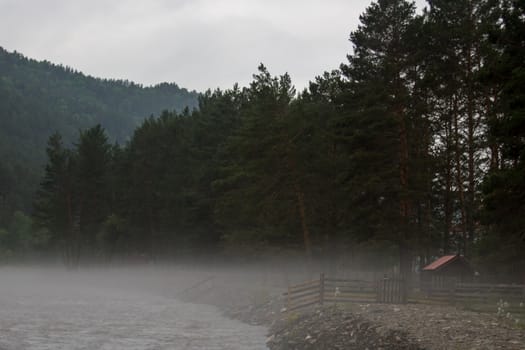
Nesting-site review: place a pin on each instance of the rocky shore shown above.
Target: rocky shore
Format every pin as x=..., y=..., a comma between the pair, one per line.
x=332, y=328
x=381, y=326
x=446, y=327
x=364, y=326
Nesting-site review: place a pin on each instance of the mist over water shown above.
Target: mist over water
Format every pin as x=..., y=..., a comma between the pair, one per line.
x=113, y=309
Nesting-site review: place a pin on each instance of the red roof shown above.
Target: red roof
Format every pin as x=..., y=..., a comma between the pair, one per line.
x=440, y=262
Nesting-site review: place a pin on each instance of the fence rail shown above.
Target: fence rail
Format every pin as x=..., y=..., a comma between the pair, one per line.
x=391, y=291
x=394, y=290
x=332, y=290
x=476, y=296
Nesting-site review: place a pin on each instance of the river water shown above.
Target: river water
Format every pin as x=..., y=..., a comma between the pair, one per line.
x=43, y=310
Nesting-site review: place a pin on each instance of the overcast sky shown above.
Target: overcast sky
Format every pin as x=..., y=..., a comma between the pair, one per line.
x=197, y=44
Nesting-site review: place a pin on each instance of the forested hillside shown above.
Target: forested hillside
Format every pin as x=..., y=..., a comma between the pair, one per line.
x=414, y=146
x=40, y=98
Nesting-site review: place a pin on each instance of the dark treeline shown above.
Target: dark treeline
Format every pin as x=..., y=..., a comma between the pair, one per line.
x=415, y=145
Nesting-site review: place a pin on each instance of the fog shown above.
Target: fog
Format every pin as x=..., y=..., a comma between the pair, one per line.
x=148, y=306
x=122, y=308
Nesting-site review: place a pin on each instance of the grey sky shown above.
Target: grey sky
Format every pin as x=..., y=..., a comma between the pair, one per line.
x=198, y=44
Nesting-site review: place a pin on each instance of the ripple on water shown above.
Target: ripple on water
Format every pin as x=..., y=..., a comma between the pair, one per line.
x=50, y=316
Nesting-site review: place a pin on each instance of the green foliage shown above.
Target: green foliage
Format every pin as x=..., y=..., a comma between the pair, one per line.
x=504, y=187
x=91, y=175
x=5, y=242
x=55, y=207
x=111, y=235
x=257, y=166
x=385, y=156
x=39, y=98
x=384, y=131
x=21, y=231
x=19, y=238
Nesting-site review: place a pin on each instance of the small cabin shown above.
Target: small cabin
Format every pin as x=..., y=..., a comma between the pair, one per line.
x=445, y=272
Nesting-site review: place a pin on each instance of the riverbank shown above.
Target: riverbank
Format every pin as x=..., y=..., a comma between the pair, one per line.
x=372, y=326
x=333, y=328
x=446, y=327
x=255, y=297
x=394, y=327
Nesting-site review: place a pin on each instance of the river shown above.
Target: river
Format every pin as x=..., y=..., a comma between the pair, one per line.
x=40, y=309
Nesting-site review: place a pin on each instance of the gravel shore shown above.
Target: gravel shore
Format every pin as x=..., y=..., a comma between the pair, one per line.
x=446, y=327
x=364, y=326
x=382, y=326
x=332, y=328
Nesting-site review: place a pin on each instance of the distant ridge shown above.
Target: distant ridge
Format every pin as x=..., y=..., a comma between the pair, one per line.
x=38, y=98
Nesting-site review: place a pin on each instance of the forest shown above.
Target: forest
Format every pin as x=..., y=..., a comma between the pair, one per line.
x=415, y=146
x=40, y=98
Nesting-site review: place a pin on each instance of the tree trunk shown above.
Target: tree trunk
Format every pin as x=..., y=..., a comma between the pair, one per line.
x=151, y=235
x=302, y=214
x=471, y=142
x=404, y=203
x=70, y=241
x=332, y=221
x=448, y=189
x=301, y=207
x=405, y=266
x=459, y=178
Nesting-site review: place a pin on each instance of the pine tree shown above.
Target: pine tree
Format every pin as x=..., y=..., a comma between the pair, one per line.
x=261, y=183
x=379, y=126
x=504, y=187
x=456, y=35
x=54, y=208
x=92, y=180
x=213, y=123
x=320, y=147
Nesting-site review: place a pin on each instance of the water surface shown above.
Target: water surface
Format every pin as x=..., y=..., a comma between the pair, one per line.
x=50, y=310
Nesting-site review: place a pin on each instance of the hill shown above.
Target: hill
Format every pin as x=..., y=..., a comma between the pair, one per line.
x=38, y=98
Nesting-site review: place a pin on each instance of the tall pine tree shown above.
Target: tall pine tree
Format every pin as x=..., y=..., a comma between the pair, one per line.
x=379, y=127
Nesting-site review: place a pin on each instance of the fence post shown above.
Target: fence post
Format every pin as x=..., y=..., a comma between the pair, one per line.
x=379, y=290
x=453, y=287
x=388, y=292
x=288, y=299
x=384, y=290
x=397, y=292
x=404, y=291
x=321, y=288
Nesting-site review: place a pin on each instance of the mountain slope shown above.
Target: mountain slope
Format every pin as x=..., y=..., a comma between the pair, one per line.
x=39, y=98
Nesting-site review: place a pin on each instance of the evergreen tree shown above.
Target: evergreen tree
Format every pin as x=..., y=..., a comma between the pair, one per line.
x=38, y=98
x=262, y=192
x=319, y=146
x=54, y=207
x=456, y=33
x=92, y=177
x=213, y=123
x=379, y=126
x=504, y=188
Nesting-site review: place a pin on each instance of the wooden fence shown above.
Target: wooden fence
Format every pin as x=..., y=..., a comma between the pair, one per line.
x=483, y=297
x=334, y=290
x=477, y=296
x=391, y=291
x=304, y=294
